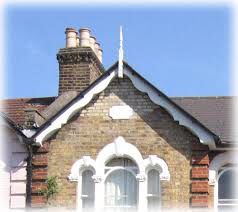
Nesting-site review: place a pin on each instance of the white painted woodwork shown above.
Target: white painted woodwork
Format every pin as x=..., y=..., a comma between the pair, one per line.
x=18, y=202
x=12, y=169
x=18, y=173
x=219, y=161
x=120, y=56
x=178, y=115
x=18, y=188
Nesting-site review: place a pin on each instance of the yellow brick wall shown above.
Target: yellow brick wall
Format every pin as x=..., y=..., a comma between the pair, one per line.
x=150, y=129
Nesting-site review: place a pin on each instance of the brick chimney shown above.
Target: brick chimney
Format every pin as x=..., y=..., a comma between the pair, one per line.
x=80, y=62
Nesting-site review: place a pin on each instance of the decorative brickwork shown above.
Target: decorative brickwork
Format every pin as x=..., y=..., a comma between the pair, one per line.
x=199, y=176
x=200, y=159
x=38, y=201
x=200, y=172
x=199, y=201
x=40, y=160
x=199, y=187
x=39, y=175
x=78, y=68
x=37, y=187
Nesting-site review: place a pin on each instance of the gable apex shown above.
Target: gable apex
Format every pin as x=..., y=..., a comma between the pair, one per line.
x=53, y=124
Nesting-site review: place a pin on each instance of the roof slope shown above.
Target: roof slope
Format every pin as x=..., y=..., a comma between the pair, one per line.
x=12, y=124
x=214, y=112
x=14, y=108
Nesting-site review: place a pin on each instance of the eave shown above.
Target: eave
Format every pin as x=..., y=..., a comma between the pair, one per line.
x=205, y=136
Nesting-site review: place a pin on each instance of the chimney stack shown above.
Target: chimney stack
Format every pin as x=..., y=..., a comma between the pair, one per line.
x=80, y=61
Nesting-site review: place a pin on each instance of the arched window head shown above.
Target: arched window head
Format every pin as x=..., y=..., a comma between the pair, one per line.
x=119, y=148
x=154, y=162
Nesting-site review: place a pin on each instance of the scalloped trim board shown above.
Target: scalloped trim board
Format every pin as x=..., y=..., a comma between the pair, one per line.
x=204, y=136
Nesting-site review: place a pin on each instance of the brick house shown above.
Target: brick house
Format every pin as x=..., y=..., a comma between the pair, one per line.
x=113, y=140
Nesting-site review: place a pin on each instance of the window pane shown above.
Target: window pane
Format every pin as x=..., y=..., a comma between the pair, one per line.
x=227, y=208
x=123, y=162
x=153, y=190
x=121, y=189
x=87, y=189
x=153, y=182
x=226, y=185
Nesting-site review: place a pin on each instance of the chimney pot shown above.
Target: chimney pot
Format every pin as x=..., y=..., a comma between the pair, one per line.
x=71, y=37
x=96, y=47
x=100, y=54
x=84, y=37
x=92, y=42
x=77, y=41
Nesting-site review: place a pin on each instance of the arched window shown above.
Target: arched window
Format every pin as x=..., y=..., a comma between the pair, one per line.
x=153, y=189
x=88, y=188
x=119, y=179
x=121, y=187
x=227, y=191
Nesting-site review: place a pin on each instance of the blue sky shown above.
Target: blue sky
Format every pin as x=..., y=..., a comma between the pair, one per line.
x=184, y=51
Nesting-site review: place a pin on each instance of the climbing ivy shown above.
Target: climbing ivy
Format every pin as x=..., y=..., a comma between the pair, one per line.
x=51, y=189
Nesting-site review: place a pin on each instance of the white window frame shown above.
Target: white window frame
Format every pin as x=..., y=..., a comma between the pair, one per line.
x=80, y=196
x=222, y=171
x=118, y=148
x=147, y=195
x=112, y=169
x=216, y=165
x=86, y=163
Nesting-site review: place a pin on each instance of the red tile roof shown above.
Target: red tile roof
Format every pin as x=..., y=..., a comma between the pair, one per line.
x=14, y=108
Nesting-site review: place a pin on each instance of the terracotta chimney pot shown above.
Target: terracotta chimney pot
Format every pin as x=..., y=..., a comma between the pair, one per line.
x=71, y=37
x=84, y=37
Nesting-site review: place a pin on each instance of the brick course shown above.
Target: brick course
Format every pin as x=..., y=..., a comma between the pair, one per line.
x=199, y=187
x=199, y=201
x=199, y=176
x=200, y=158
x=37, y=187
x=40, y=160
x=38, y=201
x=200, y=172
x=39, y=175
